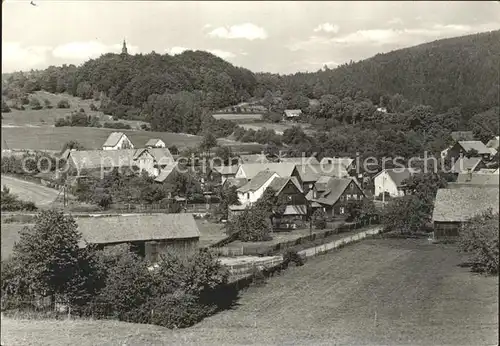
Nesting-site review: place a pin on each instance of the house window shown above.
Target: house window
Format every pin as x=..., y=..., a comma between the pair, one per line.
x=348, y=197
x=248, y=195
x=355, y=197
x=289, y=198
x=342, y=210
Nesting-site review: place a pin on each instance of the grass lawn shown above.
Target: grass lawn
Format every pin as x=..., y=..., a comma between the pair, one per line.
x=238, y=117
x=41, y=195
x=379, y=291
x=10, y=235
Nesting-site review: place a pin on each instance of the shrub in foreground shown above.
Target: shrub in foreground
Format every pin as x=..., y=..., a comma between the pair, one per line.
x=479, y=238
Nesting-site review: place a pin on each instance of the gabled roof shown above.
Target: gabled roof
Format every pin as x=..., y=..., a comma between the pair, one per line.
x=113, y=139
x=152, y=142
x=345, y=161
x=476, y=145
x=136, y=227
x=256, y=183
x=464, y=164
x=334, y=190
x=300, y=160
x=493, y=143
x=254, y=158
x=478, y=179
x=293, y=112
x=295, y=210
x=252, y=169
x=322, y=183
x=462, y=136
x=398, y=175
x=165, y=172
x=160, y=155
x=226, y=170
x=311, y=173
x=279, y=184
x=463, y=203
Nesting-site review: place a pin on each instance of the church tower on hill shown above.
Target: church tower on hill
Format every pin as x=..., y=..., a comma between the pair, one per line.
x=124, y=48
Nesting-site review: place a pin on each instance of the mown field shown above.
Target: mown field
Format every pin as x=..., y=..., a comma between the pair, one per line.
x=28, y=191
x=238, y=117
x=390, y=292
x=47, y=117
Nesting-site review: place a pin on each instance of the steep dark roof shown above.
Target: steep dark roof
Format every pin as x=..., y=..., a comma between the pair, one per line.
x=279, y=183
x=260, y=179
x=334, y=190
x=136, y=227
x=461, y=204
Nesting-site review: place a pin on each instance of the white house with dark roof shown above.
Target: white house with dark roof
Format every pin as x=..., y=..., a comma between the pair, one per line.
x=155, y=143
x=391, y=181
x=461, y=148
x=250, y=170
x=116, y=141
x=254, y=189
x=289, y=114
x=148, y=234
x=334, y=194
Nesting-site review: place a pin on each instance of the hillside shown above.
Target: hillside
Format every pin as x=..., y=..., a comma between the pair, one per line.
x=456, y=72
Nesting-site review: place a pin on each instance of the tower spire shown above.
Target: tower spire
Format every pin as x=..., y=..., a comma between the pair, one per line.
x=124, y=48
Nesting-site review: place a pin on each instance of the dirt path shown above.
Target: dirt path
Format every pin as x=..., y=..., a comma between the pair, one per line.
x=40, y=195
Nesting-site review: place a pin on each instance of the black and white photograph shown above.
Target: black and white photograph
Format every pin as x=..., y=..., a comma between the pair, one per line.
x=250, y=173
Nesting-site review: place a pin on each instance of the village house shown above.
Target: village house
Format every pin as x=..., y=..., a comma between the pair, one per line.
x=289, y=192
x=461, y=148
x=219, y=175
x=308, y=175
x=468, y=164
x=250, y=170
x=333, y=194
x=116, y=141
x=155, y=143
x=391, y=181
x=151, y=160
x=149, y=235
x=291, y=114
x=455, y=206
x=234, y=182
x=253, y=190
x=168, y=173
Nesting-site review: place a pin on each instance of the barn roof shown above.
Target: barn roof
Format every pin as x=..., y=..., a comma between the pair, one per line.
x=463, y=203
x=113, y=139
x=136, y=227
x=152, y=142
x=279, y=183
x=293, y=112
x=226, y=170
x=345, y=161
x=478, y=179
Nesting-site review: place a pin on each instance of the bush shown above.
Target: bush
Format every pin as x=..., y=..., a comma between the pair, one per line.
x=93, y=107
x=47, y=103
x=117, y=125
x=319, y=219
x=64, y=103
x=60, y=122
x=5, y=107
x=479, y=238
x=251, y=225
x=145, y=127
x=11, y=202
x=291, y=256
x=35, y=104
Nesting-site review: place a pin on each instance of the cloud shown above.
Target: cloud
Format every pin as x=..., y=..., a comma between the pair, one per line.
x=247, y=31
x=18, y=57
x=88, y=50
x=327, y=27
x=408, y=36
x=207, y=26
x=217, y=52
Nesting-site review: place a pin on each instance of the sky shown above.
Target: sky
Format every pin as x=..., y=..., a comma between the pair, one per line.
x=278, y=37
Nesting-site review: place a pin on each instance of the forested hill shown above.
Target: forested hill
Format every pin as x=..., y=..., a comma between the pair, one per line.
x=456, y=72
